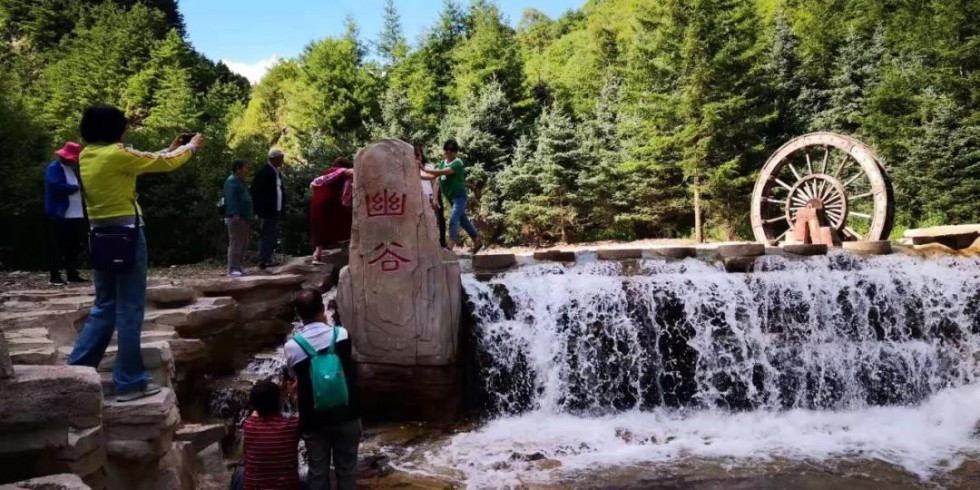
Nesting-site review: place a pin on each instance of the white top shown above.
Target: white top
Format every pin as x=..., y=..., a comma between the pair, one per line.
x=318, y=335
x=75, y=198
x=278, y=187
x=427, y=184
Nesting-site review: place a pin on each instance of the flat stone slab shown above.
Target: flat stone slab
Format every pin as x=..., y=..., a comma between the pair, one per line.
x=155, y=355
x=50, y=396
x=168, y=295
x=188, y=320
x=201, y=435
x=678, y=253
x=876, y=247
x=619, y=254
x=805, y=249
x=742, y=250
x=225, y=286
x=956, y=237
x=554, y=256
x=52, y=482
x=494, y=262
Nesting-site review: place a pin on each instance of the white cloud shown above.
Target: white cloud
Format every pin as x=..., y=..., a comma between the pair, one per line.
x=252, y=71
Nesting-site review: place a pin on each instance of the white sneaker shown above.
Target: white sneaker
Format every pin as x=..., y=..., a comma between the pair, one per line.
x=236, y=274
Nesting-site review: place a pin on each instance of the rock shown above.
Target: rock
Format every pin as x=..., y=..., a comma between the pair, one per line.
x=6, y=367
x=40, y=397
x=805, y=249
x=934, y=249
x=155, y=355
x=373, y=466
x=226, y=286
x=554, y=256
x=678, y=253
x=187, y=350
x=410, y=393
x=876, y=247
x=201, y=435
x=53, y=482
x=170, y=296
x=141, y=430
x=194, y=320
x=956, y=237
x=494, y=262
x=741, y=250
x=212, y=460
x=264, y=331
x=396, y=261
x=547, y=464
x=262, y=310
x=619, y=254
x=739, y=264
x=527, y=457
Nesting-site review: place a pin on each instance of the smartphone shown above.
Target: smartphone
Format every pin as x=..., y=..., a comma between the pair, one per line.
x=186, y=138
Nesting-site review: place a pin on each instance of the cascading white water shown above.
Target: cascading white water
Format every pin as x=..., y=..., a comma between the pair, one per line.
x=829, y=357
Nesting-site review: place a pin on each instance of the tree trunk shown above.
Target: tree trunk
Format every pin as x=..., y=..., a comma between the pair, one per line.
x=698, y=226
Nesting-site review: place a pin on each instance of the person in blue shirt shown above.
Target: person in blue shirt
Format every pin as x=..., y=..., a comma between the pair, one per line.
x=67, y=225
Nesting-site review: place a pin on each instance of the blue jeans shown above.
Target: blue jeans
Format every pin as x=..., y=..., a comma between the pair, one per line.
x=119, y=304
x=268, y=236
x=458, y=217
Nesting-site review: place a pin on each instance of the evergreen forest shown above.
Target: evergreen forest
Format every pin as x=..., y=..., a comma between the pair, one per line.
x=601, y=124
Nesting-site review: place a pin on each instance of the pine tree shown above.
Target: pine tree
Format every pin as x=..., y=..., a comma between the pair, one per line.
x=784, y=70
x=488, y=53
x=855, y=74
x=561, y=163
x=601, y=145
x=391, y=45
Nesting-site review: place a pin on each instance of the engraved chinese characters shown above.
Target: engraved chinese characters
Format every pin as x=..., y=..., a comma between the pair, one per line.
x=399, y=300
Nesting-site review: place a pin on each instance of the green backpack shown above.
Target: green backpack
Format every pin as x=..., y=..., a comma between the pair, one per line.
x=326, y=375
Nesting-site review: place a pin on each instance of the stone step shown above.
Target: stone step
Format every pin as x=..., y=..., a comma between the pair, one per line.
x=32, y=351
x=51, y=320
x=194, y=319
x=140, y=431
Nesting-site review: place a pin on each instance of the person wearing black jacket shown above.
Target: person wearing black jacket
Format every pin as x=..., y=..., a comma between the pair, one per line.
x=335, y=431
x=269, y=201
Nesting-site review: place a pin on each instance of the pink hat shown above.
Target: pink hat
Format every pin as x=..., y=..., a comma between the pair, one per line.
x=70, y=151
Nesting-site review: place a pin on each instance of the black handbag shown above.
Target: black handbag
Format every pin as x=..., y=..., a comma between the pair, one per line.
x=112, y=248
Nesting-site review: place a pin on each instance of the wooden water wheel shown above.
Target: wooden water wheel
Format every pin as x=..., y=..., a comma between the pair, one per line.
x=837, y=173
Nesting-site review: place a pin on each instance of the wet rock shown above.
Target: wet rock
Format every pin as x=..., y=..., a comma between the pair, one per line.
x=547, y=464
x=677, y=253
x=494, y=262
x=619, y=254
x=554, y=256
x=805, y=249
x=875, y=247
x=373, y=466
x=740, y=264
x=53, y=482
x=537, y=456
x=741, y=250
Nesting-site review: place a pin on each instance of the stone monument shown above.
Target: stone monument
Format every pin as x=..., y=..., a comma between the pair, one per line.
x=400, y=295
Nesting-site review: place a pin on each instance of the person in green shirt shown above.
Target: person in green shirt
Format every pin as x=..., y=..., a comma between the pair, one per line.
x=238, y=216
x=452, y=183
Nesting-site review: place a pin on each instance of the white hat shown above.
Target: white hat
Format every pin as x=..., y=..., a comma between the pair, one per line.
x=275, y=152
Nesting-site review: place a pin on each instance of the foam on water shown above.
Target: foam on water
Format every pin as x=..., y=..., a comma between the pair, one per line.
x=597, y=366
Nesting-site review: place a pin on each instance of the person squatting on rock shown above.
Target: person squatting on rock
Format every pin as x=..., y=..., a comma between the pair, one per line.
x=108, y=172
x=66, y=218
x=431, y=193
x=269, y=195
x=329, y=411
x=331, y=214
x=271, y=443
x=238, y=217
x=452, y=182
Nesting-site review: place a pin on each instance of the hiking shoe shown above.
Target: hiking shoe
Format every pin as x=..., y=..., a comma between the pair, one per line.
x=149, y=390
x=57, y=281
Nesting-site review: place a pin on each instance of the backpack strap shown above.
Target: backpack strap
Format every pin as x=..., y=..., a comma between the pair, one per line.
x=333, y=343
x=305, y=345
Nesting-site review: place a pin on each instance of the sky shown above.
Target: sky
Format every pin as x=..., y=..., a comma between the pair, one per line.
x=250, y=35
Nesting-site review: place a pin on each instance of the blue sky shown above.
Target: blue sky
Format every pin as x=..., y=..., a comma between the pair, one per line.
x=249, y=35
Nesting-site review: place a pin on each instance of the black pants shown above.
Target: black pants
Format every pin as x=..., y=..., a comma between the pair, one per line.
x=268, y=237
x=338, y=442
x=441, y=222
x=66, y=237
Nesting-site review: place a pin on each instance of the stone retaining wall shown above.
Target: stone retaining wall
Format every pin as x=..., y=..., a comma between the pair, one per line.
x=57, y=419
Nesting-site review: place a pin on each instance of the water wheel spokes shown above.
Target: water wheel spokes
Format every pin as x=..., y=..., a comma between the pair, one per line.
x=836, y=173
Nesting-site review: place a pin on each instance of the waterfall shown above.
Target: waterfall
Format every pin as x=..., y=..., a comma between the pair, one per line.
x=603, y=367
x=833, y=332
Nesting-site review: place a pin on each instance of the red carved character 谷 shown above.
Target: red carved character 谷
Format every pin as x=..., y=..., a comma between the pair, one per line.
x=390, y=260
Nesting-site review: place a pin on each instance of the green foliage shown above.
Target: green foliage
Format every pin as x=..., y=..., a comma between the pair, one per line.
x=608, y=122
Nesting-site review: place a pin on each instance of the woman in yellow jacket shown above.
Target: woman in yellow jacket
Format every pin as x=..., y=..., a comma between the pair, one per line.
x=108, y=172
